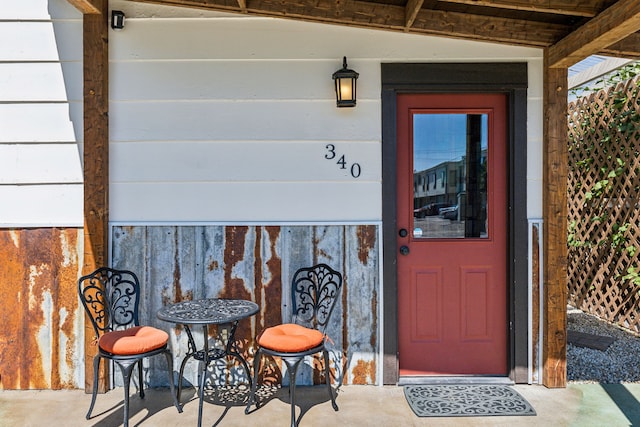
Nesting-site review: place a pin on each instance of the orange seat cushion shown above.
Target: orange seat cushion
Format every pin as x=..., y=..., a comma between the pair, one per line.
x=136, y=340
x=290, y=338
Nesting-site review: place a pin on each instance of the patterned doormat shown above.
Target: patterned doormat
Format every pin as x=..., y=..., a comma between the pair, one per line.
x=466, y=401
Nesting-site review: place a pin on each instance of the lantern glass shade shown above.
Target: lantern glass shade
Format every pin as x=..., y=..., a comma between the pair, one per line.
x=345, y=82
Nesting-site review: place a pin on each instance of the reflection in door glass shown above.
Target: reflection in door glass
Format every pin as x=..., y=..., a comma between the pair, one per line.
x=450, y=175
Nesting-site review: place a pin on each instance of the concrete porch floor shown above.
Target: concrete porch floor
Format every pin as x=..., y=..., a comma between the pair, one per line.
x=577, y=405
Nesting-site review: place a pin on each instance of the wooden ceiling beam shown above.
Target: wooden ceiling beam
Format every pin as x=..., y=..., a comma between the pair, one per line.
x=557, y=7
x=419, y=17
x=411, y=11
x=90, y=7
x=394, y=18
x=629, y=47
x=614, y=24
x=486, y=28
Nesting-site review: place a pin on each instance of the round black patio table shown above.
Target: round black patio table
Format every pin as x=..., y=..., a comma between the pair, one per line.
x=205, y=312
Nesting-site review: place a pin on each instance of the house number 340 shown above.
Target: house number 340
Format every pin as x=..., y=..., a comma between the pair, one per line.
x=331, y=155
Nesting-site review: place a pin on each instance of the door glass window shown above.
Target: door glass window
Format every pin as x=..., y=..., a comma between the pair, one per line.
x=450, y=175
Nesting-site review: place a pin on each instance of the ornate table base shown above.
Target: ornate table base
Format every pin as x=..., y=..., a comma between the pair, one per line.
x=205, y=312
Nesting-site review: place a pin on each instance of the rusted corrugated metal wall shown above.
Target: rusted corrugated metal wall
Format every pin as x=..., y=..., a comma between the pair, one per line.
x=41, y=338
x=175, y=263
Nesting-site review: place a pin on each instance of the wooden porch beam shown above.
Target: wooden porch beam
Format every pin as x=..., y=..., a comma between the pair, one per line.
x=629, y=47
x=86, y=6
x=394, y=18
x=242, y=4
x=411, y=11
x=555, y=131
x=423, y=17
x=562, y=7
x=609, y=27
x=96, y=162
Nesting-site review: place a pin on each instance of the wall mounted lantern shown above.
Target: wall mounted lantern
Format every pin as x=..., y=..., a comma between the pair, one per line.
x=345, y=80
x=117, y=19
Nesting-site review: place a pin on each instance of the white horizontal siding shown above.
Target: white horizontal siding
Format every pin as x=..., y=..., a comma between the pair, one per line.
x=24, y=9
x=40, y=102
x=223, y=79
x=36, y=9
x=244, y=119
x=186, y=161
x=535, y=113
x=38, y=164
x=41, y=205
x=39, y=81
x=234, y=37
x=245, y=202
x=36, y=41
x=38, y=122
x=228, y=118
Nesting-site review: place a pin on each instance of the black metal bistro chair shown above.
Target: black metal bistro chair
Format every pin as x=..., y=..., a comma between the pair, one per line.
x=314, y=292
x=111, y=298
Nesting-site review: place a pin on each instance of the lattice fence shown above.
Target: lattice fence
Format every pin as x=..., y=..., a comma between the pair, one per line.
x=604, y=208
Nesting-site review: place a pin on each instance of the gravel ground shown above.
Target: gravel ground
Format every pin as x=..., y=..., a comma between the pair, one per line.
x=620, y=363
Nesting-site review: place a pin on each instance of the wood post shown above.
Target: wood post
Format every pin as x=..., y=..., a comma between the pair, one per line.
x=96, y=163
x=554, y=371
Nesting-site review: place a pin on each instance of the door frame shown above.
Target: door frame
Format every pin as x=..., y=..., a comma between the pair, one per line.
x=511, y=79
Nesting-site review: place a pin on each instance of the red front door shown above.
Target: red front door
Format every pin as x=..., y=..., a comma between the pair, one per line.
x=452, y=225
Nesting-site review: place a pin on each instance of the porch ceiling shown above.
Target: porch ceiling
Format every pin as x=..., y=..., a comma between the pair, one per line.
x=572, y=30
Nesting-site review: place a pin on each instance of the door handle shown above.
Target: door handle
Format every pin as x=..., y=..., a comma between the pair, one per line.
x=404, y=250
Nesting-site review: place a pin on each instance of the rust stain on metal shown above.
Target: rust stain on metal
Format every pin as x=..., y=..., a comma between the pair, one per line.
x=270, y=372
x=345, y=309
x=177, y=287
x=366, y=241
x=317, y=251
x=65, y=307
x=364, y=372
x=272, y=308
x=169, y=296
x=315, y=239
x=37, y=287
x=257, y=292
x=318, y=369
x=251, y=267
x=68, y=299
x=258, y=288
x=317, y=363
x=234, y=287
x=267, y=295
x=235, y=241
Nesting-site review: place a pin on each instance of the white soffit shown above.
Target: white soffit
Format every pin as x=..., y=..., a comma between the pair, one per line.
x=592, y=68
